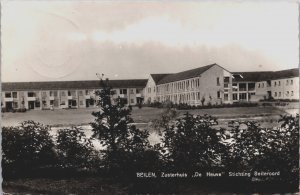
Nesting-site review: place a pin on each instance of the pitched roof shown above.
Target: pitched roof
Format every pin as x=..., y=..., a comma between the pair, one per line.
x=251, y=76
x=286, y=73
x=185, y=74
x=65, y=85
x=158, y=77
x=265, y=75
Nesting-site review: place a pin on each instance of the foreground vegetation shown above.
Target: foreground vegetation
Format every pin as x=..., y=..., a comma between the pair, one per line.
x=189, y=143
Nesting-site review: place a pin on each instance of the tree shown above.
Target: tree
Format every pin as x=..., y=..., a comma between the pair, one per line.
x=191, y=143
x=122, y=141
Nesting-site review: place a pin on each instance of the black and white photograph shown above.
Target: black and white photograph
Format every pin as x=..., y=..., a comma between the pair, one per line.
x=150, y=97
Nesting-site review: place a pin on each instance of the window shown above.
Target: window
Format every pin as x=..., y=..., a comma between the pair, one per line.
x=234, y=96
x=8, y=95
x=81, y=102
x=287, y=82
x=37, y=104
x=225, y=85
x=262, y=85
x=51, y=93
x=15, y=104
x=55, y=93
x=278, y=83
x=80, y=93
x=31, y=94
x=131, y=91
x=275, y=83
x=63, y=103
x=69, y=93
x=275, y=94
x=14, y=94
x=140, y=90
x=279, y=94
x=242, y=86
x=63, y=93
x=287, y=93
x=291, y=82
x=225, y=97
x=44, y=94
x=226, y=79
x=124, y=91
x=51, y=102
x=87, y=92
x=242, y=96
x=258, y=85
x=218, y=94
x=218, y=81
x=132, y=101
x=292, y=93
x=251, y=86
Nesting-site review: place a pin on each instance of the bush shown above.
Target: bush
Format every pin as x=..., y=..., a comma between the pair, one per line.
x=192, y=144
x=253, y=148
x=27, y=147
x=74, y=149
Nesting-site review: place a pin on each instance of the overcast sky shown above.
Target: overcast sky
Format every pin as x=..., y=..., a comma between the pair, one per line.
x=44, y=41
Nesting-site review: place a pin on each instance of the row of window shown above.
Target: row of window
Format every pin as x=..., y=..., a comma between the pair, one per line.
x=277, y=83
x=182, y=85
x=287, y=94
x=188, y=84
x=242, y=96
x=63, y=93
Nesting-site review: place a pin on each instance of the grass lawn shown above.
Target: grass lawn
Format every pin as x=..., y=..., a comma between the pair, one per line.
x=144, y=115
x=89, y=185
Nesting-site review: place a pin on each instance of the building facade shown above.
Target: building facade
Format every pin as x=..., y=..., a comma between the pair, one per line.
x=67, y=94
x=212, y=84
x=197, y=86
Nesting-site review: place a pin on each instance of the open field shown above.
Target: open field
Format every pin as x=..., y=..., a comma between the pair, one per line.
x=143, y=115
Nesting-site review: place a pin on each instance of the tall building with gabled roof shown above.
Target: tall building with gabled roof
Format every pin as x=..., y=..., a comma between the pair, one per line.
x=203, y=85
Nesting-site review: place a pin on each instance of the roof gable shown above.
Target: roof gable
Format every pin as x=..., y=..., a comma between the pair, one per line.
x=185, y=74
x=157, y=77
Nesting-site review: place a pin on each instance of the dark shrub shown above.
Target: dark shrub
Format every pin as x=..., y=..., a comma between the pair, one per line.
x=74, y=149
x=26, y=147
x=192, y=143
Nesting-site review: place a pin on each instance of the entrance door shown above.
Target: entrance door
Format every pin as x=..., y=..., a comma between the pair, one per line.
x=269, y=94
x=87, y=103
x=8, y=106
x=70, y=103
x=31, y=105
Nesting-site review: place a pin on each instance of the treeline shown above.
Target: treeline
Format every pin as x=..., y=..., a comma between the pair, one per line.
x=188, y=144
x=185, y=106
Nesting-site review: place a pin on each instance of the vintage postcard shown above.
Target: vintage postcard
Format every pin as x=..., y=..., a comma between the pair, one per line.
x=150, y=97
